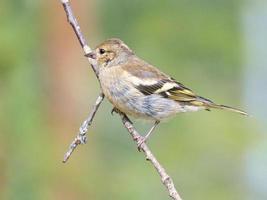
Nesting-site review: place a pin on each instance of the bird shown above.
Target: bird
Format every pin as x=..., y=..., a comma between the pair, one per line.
x=138, y=89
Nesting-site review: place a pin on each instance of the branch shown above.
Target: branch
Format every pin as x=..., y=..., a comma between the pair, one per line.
x=81, y=137
x=165, y=178
x=73, y=22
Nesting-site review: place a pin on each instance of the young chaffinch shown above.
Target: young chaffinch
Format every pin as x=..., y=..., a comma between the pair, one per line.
x=138, y=89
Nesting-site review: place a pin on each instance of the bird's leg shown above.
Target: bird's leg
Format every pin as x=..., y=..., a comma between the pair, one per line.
x=144, y=139
x=150, y=131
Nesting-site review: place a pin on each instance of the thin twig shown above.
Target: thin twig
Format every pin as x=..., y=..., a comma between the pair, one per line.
x=81, y=138
x=165, y=178
x=73, y=22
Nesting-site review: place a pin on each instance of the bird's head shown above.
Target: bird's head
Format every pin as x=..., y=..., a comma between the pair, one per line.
x=110, y=53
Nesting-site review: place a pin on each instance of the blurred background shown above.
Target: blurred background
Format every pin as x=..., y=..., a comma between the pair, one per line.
x=217, y=48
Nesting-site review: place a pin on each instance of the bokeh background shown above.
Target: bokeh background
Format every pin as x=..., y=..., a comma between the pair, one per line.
x=218, y=48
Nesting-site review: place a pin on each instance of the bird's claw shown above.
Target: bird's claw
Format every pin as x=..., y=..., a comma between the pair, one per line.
x=140, y=141
x=116, y=110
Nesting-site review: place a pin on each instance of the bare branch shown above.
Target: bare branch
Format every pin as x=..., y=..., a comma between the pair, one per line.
x=73, y=22
x=165, y=178
x=81, y=137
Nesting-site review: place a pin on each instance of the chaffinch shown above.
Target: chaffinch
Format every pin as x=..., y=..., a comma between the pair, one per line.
x=139, y=89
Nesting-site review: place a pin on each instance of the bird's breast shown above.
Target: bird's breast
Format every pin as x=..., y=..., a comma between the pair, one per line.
x=119, y=91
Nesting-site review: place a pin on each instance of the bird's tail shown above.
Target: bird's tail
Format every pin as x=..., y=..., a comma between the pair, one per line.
x=209, y=104
x=223, y=107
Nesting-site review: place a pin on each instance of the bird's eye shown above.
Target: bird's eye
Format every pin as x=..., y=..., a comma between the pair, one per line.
x=102, y=51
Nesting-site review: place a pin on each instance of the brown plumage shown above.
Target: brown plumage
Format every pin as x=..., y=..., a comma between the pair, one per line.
x=137, y=88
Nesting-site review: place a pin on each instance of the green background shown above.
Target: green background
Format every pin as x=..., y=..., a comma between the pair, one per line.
x=47, y=88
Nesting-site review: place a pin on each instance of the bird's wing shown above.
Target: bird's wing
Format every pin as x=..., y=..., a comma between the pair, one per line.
x=149, y=80
x=168, y=88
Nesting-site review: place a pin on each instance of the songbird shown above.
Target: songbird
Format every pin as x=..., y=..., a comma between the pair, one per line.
x=139, y=89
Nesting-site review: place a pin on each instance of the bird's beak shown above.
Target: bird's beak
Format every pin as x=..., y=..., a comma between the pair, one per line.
x=91, y=55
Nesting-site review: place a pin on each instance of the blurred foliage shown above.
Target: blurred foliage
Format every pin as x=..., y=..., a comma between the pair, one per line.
x=198, y=42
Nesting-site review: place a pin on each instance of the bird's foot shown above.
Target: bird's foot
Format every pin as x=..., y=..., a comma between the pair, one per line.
x=140, y=141
x=116, y=110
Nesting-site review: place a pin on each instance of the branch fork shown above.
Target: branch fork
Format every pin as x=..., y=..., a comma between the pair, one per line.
x=81, y=136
